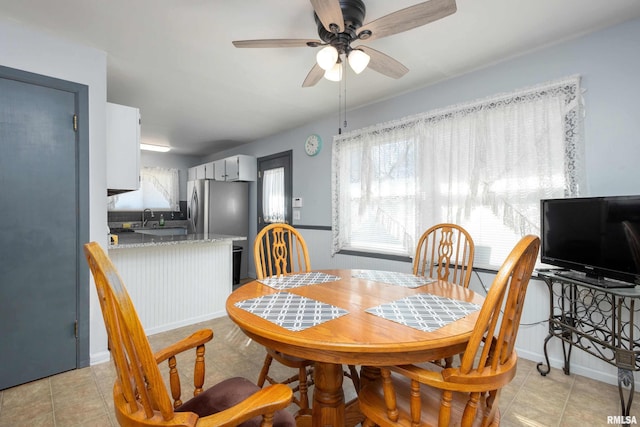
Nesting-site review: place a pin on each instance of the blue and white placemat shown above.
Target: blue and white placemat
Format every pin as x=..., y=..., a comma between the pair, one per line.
x=424, y=312
x=394, y=278
x=291, y=311
x=296, y=280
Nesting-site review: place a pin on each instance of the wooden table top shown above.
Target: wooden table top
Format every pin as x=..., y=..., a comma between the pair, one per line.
x=358, y=338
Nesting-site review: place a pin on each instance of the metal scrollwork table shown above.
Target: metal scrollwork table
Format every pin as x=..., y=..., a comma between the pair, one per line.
x=601, y=321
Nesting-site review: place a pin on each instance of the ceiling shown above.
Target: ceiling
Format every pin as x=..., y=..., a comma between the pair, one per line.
x=174, y=59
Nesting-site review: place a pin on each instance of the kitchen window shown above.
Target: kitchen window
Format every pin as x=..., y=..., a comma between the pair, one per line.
x=484, y=165
x=159, y=190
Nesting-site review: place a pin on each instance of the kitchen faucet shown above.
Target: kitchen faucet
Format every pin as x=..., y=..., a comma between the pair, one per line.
x=144, y=220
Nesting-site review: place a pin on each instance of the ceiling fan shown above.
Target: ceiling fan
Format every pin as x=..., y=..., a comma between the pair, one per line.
x=340, y=23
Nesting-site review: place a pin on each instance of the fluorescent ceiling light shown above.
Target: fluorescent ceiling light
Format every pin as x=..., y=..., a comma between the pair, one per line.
x=159, y=148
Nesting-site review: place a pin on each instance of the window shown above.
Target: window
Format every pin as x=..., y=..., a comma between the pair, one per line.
x=273, y=195
x=159, y=190
x=484, y=165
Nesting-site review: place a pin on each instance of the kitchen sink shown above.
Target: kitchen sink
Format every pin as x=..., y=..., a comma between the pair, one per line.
x=162, y=231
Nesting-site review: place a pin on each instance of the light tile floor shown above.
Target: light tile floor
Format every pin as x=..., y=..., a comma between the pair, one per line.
x=83, y=397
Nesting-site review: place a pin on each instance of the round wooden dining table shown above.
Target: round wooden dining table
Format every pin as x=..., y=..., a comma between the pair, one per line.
x=356, y=337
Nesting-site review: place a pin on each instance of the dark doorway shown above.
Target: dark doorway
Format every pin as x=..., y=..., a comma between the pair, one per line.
x=44, y=298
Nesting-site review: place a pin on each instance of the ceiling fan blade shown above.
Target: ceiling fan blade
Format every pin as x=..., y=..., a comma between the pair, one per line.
x=408, y=18
x=329, y=12
x=314, y=76
x=383, y=63
x=278, y=43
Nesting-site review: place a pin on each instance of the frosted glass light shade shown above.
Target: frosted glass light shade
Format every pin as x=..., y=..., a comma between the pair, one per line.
x=335, y=73
x=358, y=60
x=327, y=57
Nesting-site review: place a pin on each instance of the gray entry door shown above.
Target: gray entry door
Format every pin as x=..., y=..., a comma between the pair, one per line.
x=38, y=231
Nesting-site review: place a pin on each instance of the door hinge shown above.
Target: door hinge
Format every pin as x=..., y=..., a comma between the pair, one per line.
x=75, y=329
x=75, y=123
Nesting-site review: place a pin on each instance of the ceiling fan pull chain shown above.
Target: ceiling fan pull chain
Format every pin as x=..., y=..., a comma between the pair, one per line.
x=344, y=73
x=340, y=108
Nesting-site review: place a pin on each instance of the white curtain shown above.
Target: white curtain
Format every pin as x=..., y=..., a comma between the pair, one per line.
x=159, y=189
x=484, y=165
x=273, y=205
x=163, y=185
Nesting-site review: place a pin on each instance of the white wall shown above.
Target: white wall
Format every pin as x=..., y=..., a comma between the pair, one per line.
x=607, y=60
x=28, y=50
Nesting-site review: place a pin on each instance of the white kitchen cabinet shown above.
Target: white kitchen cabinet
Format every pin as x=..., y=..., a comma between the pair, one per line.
x=220, y=170
x=123, y=148
x=209, y=170
x=236, y=168
x=192, y=173
x=203, y=171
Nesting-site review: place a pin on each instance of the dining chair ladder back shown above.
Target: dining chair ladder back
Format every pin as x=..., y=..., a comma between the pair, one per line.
x=279, y=249
x=139, y=392
x=468, y=394
x=445, y=251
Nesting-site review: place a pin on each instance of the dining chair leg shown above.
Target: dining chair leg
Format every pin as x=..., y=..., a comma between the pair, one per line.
x=354, y=376
x=265, y=370
x=303, y=388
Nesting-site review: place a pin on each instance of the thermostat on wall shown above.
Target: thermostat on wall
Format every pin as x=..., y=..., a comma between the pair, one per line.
x=297, y=202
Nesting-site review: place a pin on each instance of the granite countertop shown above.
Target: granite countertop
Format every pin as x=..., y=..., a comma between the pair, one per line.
x=138, y=240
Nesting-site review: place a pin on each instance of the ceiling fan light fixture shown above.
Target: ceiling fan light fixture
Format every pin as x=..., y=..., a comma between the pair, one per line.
x=358, y=60
x=335, y=73
x=327, y=57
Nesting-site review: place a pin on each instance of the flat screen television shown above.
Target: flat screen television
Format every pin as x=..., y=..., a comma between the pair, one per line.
x=598, y=237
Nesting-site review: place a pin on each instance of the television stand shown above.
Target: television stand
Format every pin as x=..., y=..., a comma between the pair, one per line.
x=595, y=281
x=604, y=322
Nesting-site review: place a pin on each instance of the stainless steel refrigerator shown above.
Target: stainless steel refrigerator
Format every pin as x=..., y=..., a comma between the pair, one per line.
x=217, y=207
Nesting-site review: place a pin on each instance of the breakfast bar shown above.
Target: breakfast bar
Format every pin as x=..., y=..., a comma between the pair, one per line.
x=175, y=280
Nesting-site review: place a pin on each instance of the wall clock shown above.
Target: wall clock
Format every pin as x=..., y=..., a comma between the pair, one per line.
x=313, y=144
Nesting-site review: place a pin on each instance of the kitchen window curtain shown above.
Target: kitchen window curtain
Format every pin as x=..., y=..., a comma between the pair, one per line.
x=159, y=189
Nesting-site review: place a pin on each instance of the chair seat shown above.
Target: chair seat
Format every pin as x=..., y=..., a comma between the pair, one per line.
x=371, y=400
x=228, y=393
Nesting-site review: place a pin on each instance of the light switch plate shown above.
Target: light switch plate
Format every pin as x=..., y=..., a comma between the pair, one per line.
x=296, y=214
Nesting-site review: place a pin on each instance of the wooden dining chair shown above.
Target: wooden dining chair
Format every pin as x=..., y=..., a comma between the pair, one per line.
x=428, y=395
x=445, y=251
x=279, y=249
x=140, y=394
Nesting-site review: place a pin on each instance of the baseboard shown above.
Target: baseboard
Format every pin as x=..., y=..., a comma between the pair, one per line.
x=186, y=322
x=101, y=357
x=605, y=377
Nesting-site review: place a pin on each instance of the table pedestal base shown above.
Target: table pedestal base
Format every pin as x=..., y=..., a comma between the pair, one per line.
x=328, y=397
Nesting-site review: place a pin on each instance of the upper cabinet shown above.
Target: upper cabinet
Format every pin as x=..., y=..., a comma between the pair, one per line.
x=123, y=148
x=204, y=171
x=235, y=168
